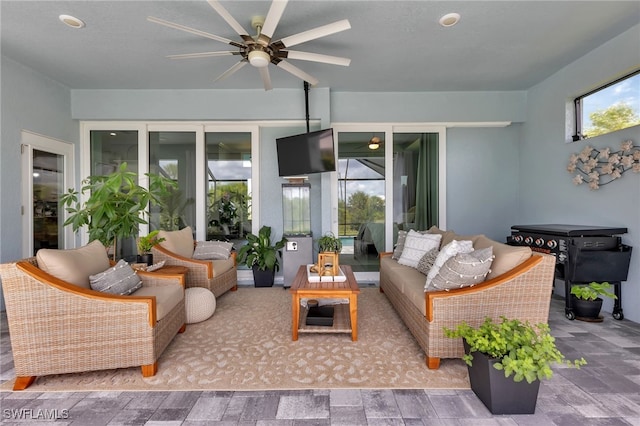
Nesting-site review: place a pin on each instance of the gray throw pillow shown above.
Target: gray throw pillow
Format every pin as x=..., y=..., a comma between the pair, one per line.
x=463, y=270
x=212, y=250
x=397, y=251
x=426, y=262
x=119, y=279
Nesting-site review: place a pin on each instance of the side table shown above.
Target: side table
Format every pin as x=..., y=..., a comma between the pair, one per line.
x=173, y=271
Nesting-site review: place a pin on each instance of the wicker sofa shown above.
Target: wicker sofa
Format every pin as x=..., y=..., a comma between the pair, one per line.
x=518, y=286
x=63, y=326
x=178, y=248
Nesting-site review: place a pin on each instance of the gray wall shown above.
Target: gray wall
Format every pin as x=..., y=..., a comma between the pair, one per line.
x=547, y=194
x=30, y=101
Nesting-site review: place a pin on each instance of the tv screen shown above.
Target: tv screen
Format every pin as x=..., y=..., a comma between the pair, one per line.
x=306, y=153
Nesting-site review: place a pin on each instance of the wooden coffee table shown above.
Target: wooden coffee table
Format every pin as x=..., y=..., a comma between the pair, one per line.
x=302, y=288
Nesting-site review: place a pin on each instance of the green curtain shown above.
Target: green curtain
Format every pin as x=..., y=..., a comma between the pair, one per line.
x=427, y=182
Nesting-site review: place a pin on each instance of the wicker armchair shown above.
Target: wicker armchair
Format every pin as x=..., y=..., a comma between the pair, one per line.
x=57, y=327
x=218, y=276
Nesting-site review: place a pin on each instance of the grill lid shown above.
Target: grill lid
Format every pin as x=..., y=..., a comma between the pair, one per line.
x=569, y=230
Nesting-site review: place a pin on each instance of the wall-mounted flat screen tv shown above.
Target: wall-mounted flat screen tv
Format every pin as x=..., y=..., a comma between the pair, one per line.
x=306, y=153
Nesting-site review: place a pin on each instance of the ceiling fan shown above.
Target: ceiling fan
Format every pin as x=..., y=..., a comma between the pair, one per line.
x=260, y=50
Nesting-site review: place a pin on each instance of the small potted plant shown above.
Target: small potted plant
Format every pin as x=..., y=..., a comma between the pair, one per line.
x=586, y=299
x=144, y=244
x=261, y=255
x=329, y=243
x=507, y=360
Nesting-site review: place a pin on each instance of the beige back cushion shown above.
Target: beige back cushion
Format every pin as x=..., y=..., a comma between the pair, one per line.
x=506, y=257
x=179, y=242
x=74, y=265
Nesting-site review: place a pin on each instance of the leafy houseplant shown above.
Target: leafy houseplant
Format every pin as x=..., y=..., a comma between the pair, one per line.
x=329, y=243
x=145, y=243
x=519, y=353
x=115, y=206
x=587, y=299
x=261, y=255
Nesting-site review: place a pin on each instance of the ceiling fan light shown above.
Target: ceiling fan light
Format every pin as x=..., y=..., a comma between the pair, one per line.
x=374, y=143
x=259, y=58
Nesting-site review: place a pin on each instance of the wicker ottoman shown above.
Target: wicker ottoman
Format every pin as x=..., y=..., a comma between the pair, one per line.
x=200, y=304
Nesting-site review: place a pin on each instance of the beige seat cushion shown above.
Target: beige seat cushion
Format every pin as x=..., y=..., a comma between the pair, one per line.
x=222, y=266
x=506, y=257
x=167, y=297
x=74, y=265
x=179, y=242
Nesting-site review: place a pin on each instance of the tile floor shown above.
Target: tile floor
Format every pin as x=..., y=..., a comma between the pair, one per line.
x=605, y=392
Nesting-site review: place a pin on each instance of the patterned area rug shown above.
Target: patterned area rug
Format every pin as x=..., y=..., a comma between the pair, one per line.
x=246, y=345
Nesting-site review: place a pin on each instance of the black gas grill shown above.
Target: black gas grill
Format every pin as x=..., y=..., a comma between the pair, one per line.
x=583, y=254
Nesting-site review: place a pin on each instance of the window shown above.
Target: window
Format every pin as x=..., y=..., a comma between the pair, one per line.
x=612, y=107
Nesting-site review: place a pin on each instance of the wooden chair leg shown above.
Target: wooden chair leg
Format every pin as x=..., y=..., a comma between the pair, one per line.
x=381, y=290
x=149, y=370
x=23, y=382
x=433, y=363
x=183, y=328
x=234, y=288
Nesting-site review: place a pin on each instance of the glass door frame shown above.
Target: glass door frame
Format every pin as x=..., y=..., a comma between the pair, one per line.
x=29, y=142
x=389, y=129
x=200, y=128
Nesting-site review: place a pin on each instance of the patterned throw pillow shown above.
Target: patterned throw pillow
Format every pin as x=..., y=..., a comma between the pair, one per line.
x=463, y=270
x=416, y=245
x=397, y=250
x=426, y=262
x=119, y=279
x=211, y=250
x=448, y=251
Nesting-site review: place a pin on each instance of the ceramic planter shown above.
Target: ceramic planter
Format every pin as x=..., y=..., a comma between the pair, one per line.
x=587, y=309
x=263, y=278
x=145, y=258
x=500, y=394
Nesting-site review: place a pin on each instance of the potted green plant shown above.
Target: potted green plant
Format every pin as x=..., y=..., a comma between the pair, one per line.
x=261, y=255
x=586, y=299
x=144, y=245
x=329, y=243
x=507, y=360
x=115, y=204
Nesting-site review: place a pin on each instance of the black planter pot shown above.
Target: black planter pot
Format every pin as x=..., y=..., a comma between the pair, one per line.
x=588, y=309
x=501, y=395
x=263, y=278
x=146, y=258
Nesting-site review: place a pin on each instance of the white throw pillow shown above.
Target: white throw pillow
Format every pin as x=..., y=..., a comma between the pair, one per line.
x=448, y=251
x=207, y=250
x=417, y=245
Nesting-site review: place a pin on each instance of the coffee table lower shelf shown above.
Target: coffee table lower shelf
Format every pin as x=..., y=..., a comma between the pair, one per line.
x=341, y=321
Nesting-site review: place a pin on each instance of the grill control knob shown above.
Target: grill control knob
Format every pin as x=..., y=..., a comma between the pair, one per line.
x=528, y=240
x=552, y=244
x=539, y=242
x=518, y=238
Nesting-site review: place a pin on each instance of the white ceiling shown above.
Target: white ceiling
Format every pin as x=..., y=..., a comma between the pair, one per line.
x=393, y=45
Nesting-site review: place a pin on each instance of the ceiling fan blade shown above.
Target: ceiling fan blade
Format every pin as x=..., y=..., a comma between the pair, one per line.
x=273, y=17
x=315, y=57
x=231, y=70
x=202, y=55
x=313, y=34
x=266, y=78
x=228, y=18
x=192, y=31
x=297, y=72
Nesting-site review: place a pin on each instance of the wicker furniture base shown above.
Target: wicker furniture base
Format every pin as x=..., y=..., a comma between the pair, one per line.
x=341, y=321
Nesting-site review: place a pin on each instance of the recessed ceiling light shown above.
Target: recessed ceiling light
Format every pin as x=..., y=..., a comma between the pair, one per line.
x=450, y=19
x=71, y=21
